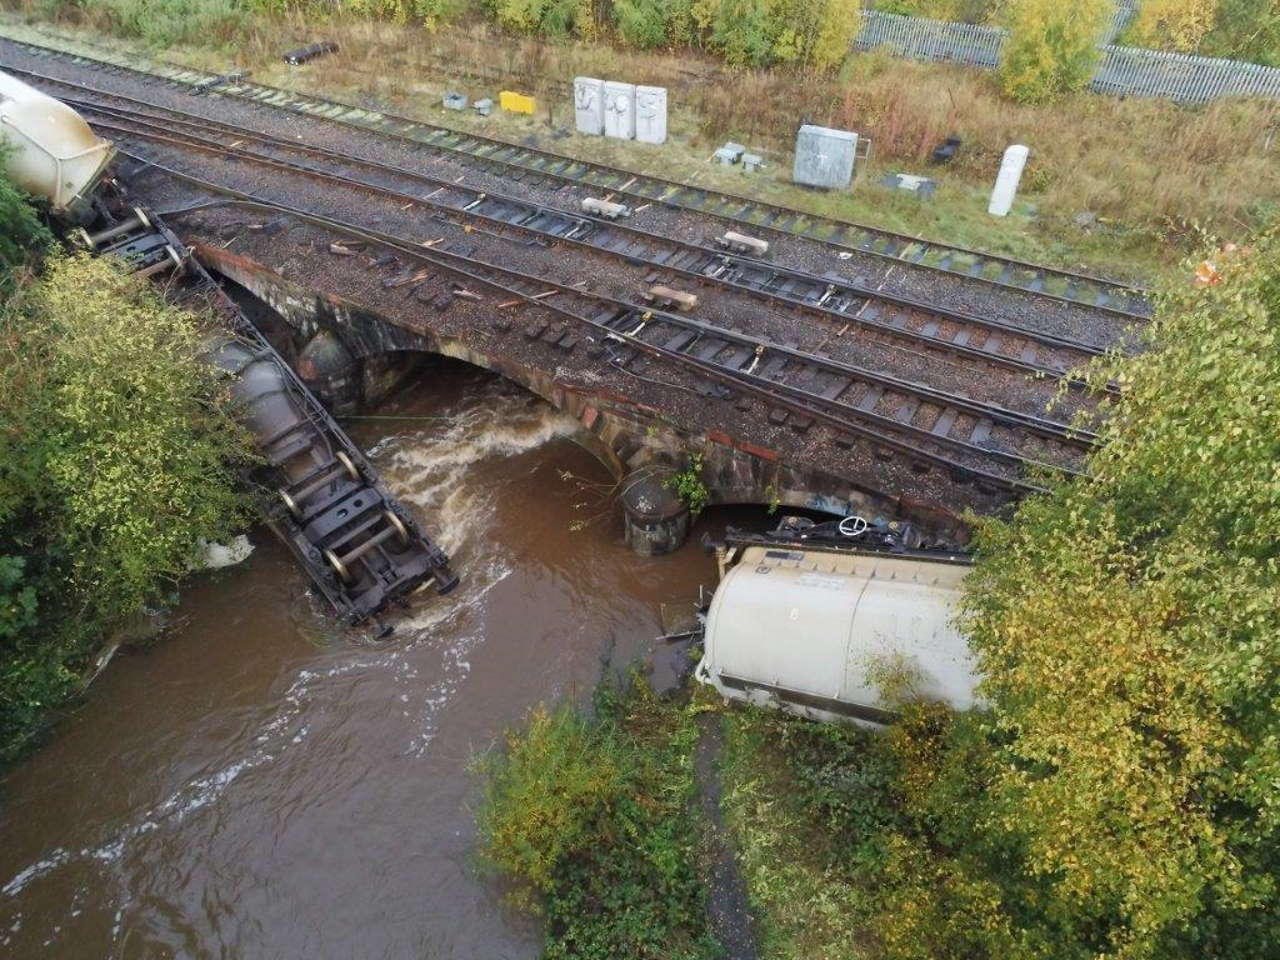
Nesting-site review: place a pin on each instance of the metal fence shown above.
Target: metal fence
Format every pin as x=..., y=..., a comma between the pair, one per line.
x=1121, y=70
x=918, y=38
x=1178, y=76
x=1124, y=12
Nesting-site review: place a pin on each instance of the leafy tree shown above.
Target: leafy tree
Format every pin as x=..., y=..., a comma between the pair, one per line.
x=551, y=18
x=1245, y=30
x=838, y=25
x=757, y=33
x=116, y=459
x=1127, y=627
x=429, y=13
x=1173, y=24
x=642, y=23
x=1052, y=47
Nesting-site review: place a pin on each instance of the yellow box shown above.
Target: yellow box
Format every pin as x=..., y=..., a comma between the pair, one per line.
x=515, y=102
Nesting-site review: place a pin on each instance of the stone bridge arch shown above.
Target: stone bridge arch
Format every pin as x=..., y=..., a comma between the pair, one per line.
x=352, y=357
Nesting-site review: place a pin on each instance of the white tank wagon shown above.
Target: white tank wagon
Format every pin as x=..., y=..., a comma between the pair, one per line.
x=50, y=152
x=813, y=631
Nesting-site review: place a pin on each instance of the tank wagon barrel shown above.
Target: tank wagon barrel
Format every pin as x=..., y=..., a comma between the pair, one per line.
x=53, y=154
x=362, y=549
x=816, y=630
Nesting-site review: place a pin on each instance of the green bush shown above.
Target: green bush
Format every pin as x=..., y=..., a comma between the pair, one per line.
x=23, y=236
x=1052, y=47
x=1245, y=30
x=858, y=843
x=116, y=459
x=689, y=486
x=756, y=33
x=644, y=23
x=164, y=23
x=549, y=18
x=592, y=819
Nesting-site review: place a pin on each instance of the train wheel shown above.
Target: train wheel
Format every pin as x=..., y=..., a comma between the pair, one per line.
x=339, y=567
x=342, y=458
x=399, y=526
x=291, y=504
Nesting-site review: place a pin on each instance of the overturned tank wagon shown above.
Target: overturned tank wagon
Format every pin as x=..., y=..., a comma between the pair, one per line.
x=361, y=548
x=52, y=153
x=814, y=630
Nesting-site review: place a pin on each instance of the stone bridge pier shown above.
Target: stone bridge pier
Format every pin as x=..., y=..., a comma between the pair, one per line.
x=352, y=357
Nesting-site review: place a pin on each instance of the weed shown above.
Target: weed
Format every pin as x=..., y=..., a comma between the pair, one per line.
x=689, y=487
x=591, y=818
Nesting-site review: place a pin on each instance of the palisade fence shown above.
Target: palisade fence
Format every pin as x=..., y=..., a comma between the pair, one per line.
x=919, y=38
x=1121, y=70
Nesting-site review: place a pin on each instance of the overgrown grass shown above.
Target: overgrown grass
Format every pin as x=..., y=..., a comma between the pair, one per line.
x=860, y=845
x=592, y=820
x=1113, y=184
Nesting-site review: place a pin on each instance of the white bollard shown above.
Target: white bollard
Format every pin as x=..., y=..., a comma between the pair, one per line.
x=1015, y=158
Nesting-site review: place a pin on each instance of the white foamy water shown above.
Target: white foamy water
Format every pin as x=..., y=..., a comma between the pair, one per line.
x=428, y=469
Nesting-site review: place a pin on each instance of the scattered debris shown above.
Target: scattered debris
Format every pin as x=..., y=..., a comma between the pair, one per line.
x=666, y=297
x=304, y=54
x=405, y=278
x=945, y=152
x=741, y=243
x=204, y=86
x=516, y=102
x=730, y=153
x=922, y=187
x=605, y=208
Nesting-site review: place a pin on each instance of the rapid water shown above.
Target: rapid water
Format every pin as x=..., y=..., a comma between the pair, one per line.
x=259, y=785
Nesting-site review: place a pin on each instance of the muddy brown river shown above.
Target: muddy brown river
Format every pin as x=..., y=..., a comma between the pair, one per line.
x=257, y=785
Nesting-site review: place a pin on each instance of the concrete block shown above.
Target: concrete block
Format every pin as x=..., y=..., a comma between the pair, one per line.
x=455, y=101
x=516, y=102
x=726, y=156
x=619, y=110
x=651, y=114
x=824, y=157
x=751, y=162
x=588, y=105
x=483, y=107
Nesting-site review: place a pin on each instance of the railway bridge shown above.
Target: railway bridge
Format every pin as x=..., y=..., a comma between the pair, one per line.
x=808, y=361
x=352, y=356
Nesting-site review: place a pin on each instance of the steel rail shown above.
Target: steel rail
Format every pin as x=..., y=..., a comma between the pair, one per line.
x=988, y=350
x=470, y=211
x=900, y=248
x=522, y=287
x=1028, y=422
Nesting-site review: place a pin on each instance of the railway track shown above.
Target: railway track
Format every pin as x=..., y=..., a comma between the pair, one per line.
x=524, y=163
x=966, y=337
x=1000, y=450
x=1043, y=426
